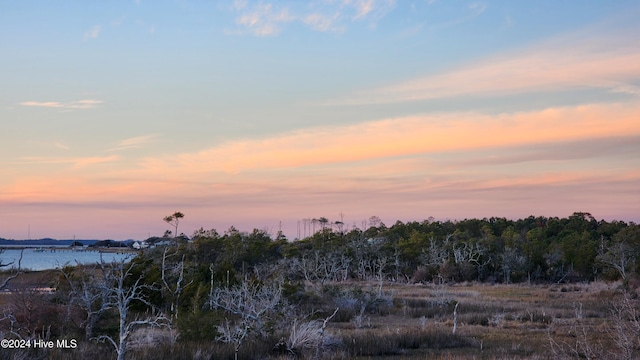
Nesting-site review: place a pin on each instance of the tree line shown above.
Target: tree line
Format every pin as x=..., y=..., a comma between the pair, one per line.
x=533, y=249
x=237, y=287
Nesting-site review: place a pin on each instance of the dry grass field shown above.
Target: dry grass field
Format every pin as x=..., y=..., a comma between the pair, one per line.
x=492, y=322
x=416, y=321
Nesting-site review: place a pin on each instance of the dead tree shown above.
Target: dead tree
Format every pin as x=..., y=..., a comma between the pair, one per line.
x=321, y=268
x=624, y=327
x=436, y=254
x=251, y=305
x=582, y=345
x=176, y=272
x=380, y=264
x=322, y=328
x=5, y=282
x=306, y=336
x=619, y=256
x=14, y=326
x=121, y=296
x=91, y=293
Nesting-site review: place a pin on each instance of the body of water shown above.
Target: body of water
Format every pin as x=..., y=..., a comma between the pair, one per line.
x=44, y=259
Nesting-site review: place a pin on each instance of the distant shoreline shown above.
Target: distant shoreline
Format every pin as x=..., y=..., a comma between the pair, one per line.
x=69, y=248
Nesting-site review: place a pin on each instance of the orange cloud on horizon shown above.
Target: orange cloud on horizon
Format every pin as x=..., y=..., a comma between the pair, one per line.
x=408, y=136
x=402, y=156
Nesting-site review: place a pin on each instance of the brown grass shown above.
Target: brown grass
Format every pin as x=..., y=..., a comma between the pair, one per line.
x=416, y=322
x=494, y=321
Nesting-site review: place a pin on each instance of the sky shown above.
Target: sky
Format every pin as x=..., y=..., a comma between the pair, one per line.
x=260, y=114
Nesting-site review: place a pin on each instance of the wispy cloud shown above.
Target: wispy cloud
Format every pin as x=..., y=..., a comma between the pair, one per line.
x=424, y=164
x=626, y=89
x=362, y=7
x=622, y=147
x=571, y=62
x=410, y=136
x=92, y=33
x=477, y=8
x=62, y=146
x=74, y=161
x=134, y=142
x=239, y=4
x=371, y=9
x=322, y=22
x=266, y=19
x=79, y=104
x=263, y=19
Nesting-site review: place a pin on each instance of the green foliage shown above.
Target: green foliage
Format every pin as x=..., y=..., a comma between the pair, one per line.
x=537, y=249
x=148, y=270
x=198, y=325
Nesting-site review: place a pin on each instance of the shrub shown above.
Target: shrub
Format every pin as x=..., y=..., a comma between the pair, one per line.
x=304, y=336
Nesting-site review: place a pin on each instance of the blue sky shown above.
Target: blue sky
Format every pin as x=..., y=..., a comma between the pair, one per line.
x=262, y=113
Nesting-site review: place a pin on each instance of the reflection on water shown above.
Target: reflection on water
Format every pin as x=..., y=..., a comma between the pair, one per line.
x=43, y=259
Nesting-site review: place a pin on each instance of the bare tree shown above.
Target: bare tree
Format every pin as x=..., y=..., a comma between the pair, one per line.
x=455, y=318
x=471, y=253
x=90, y=293
x=176, y=272
x=5, y=282
x=380, y=264
x=234, y=334
x=624, y=328
x=303, y=335
x=582, y=346
x=436, y=254
x=14, y=325
x=397, y=261
x=619, y=256
x=322, y=328
x=251, y=305
x=318, y=268
x=121, y=296
x=306, y=336
x=512, y=261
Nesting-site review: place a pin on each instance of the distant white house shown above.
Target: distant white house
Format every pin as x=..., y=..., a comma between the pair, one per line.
x=140, y=245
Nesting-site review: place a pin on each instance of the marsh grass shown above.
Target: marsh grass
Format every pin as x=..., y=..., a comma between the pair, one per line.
x=399, y=341
x=412, y=321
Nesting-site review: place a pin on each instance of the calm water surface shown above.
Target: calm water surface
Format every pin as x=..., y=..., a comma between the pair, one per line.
x=43, y=260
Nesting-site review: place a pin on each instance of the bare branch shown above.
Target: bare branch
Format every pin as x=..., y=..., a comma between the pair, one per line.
x=121, y=296
x=253, y=304
x=5, y=282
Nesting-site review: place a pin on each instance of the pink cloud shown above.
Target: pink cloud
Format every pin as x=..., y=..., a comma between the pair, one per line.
x=74, y=161
x=443, y=165
x=567, y=63
x=92, y=33
x=79, y=104
x=408, y=136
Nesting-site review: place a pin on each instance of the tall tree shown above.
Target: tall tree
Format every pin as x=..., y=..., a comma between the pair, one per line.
x=174, y=220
